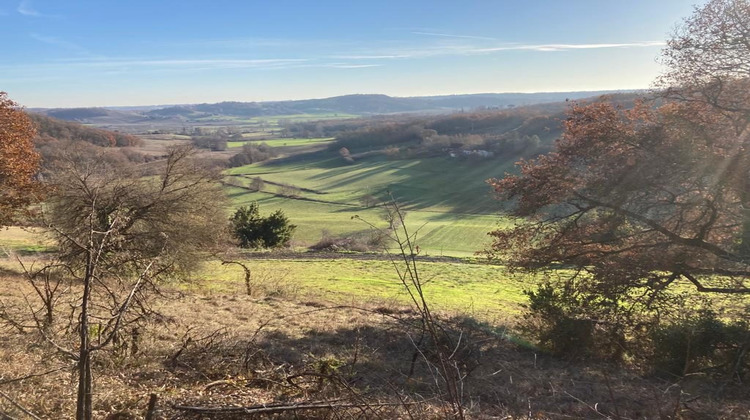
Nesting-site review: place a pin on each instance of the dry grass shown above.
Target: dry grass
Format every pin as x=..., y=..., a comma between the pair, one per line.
x=223, y=349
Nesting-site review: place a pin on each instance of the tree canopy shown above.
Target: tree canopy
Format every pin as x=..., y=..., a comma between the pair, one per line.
x=650, y=197
x=165, y=211
x=121, y=228
x=18, y=160
x=708, y=57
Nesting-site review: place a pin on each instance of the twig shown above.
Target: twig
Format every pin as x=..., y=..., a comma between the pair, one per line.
x=19, y=406
x=592, y=408
x=6, y=416
x=33, y=375
x=277, y=408
x=248, y=275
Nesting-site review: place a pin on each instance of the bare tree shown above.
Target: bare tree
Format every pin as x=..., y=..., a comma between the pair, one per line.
x=708, y=58
x=119, y=231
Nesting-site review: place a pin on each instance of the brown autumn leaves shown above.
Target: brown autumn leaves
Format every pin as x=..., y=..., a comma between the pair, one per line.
x=18, y=160
x=660, y=193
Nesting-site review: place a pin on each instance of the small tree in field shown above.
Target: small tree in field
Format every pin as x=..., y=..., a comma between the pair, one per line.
x=254, y=231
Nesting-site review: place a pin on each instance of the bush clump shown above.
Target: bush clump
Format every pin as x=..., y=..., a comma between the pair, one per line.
x=701, y=343
x=253, y=231
x=358, y=242
x=252, y=153
x=574, y=324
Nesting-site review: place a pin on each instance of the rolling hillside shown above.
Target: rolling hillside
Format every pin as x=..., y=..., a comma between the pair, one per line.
x=446, y=200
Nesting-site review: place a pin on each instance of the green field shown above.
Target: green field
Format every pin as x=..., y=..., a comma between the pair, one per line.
x=22, y=240
x=281, y=142
x=483, y=291
x=446, y=200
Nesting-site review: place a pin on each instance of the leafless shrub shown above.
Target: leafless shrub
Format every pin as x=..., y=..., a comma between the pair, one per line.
x=288, y=190
x=442, y=353
x=358, y=242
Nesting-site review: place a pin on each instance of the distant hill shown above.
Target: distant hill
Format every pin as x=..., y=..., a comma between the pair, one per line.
x=51, y=129
x=75, y=114
x=370, y=104
x=98, y=116
x=542, y=121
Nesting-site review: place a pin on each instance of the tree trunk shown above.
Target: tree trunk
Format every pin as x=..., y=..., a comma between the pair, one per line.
x=84, y=410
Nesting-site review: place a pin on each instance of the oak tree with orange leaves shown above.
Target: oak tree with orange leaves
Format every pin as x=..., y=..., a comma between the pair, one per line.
x=18, y=160
x=640, y=216
x=647, y=198
x=636, y=198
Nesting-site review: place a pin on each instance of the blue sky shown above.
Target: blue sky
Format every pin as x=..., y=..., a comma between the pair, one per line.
x=66, y=53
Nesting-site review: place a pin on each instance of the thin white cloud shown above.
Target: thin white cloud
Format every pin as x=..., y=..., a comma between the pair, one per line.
x=362, y=57
x=242, y=43
x=25, y=8
x=106, y=66
x=113, y=66
x=371, y=57
x=207, y=63
x=352, y=66
x=453, y=35
x=565, y=47
x=59, y=42
x=439, y=50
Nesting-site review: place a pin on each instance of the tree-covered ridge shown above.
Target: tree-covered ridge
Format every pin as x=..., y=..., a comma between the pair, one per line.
x=508, y=133
x=50, y=128
x=371, y=104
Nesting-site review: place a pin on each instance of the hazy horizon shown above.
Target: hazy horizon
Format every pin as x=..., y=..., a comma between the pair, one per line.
x=88, y=53
x=114, y=106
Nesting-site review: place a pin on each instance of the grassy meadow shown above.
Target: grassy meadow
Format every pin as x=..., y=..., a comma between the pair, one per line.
x=481, y=291
x=459, y=287
x=14, y=239
x=263, y=125
x=447, y=201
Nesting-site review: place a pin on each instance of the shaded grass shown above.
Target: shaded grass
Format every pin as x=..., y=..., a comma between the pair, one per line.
x=437, y=184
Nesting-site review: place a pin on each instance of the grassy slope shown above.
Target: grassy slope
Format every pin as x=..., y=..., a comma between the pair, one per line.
x=482, y=291
x=446, y=199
